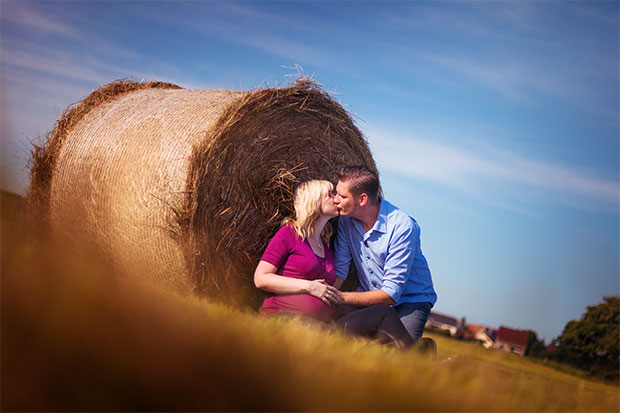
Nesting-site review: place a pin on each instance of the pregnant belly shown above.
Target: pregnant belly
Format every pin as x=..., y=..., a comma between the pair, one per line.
x=298, y=304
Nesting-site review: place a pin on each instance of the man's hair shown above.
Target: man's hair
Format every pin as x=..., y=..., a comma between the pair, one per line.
x=362, y=180
x=308, y=198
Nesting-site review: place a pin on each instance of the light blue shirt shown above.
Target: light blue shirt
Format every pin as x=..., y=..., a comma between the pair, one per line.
x=388, y=257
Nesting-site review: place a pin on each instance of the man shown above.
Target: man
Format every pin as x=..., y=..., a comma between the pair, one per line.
x=384, y=244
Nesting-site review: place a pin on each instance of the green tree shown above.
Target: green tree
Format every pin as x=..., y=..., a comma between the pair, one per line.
x=535, y=347
x=593, y=342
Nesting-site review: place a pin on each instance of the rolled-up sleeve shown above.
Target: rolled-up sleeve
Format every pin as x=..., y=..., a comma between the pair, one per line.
x=342, y=253
x=399, y=260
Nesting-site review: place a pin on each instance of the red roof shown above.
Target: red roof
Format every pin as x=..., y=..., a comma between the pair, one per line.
x=474, y=328
x=514, y=337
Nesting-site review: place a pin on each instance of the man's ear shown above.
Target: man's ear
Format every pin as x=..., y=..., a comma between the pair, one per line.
x=363, y=199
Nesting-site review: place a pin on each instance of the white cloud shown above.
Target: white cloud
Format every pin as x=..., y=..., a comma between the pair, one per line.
x=483, y=172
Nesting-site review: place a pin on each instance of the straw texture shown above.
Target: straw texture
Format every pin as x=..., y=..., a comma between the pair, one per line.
x=186, y=187
x=45, y=156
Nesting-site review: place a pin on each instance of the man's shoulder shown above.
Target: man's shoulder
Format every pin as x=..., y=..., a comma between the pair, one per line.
x=398, y=221
x=397, y=216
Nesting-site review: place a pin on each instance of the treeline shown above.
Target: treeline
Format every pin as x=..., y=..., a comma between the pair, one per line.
x=591, y=343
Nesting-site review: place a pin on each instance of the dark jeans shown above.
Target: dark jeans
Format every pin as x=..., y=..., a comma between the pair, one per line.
x=377, y=321
x=413, y=317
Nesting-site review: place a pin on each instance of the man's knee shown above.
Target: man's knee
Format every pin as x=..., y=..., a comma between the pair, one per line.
x=414, y=316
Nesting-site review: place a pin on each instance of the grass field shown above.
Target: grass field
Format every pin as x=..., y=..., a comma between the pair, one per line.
x=78, y=336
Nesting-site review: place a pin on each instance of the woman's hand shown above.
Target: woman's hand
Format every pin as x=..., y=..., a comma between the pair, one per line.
x=325, y=292
x=266, y=279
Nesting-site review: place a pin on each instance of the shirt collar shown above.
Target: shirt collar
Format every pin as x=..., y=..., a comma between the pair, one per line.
x=380, y=223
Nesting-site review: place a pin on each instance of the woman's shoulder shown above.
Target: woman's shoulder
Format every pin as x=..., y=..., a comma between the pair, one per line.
x=286, y=232
x=283, y=240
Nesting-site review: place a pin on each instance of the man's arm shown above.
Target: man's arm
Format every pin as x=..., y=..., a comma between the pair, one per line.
x=397, y=267
x=398, y=264
x=367, y=298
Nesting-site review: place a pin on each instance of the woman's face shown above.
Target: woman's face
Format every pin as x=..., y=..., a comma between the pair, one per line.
x=327, y=205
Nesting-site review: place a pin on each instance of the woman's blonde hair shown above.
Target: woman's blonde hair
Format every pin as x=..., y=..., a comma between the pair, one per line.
x=308, y=198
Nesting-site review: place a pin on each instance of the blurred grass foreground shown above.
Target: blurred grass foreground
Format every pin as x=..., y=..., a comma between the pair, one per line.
x=76, y=336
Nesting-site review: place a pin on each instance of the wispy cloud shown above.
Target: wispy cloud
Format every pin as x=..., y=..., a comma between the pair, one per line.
x=22, y=15
x=240, y=23
x=75, y=51
x=477, y=173
x=519, y=50
x=510, y=79
x=525, y=82
x=59, y=64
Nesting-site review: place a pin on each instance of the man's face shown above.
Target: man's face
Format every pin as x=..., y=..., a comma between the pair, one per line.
x=344, y=200
x=328, y=206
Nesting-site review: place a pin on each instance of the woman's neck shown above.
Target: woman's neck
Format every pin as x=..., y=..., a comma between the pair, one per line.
x=318, y=227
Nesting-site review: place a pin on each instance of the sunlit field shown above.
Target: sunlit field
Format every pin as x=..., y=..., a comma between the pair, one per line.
x=76, y=335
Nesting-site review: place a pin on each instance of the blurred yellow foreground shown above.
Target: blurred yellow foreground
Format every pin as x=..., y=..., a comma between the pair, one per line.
x=77, y=336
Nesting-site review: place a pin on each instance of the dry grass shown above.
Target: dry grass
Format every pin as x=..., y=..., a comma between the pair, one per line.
x=76, y=337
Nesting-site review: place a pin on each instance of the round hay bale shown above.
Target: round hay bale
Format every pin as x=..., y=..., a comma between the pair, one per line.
x=187, y=186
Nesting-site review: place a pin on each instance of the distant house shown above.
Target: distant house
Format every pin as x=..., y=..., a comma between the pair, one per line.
x=484, y=334
x=511, y=340
x=551, y=348
x=444, y=322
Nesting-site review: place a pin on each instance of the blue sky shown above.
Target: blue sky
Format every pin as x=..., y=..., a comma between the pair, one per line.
x=494, y=124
